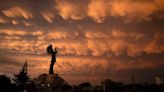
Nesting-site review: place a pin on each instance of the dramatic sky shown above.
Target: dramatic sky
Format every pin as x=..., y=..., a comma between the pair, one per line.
x=95, y=39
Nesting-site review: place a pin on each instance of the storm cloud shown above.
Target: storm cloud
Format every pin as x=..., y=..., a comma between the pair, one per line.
x=96, y=39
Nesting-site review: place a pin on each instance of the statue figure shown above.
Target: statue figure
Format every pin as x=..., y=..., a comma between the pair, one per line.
x=53, y=58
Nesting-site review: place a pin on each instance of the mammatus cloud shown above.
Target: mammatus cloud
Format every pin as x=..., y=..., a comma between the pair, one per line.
x=101, y=10
x=96, y=43
x=98, y=10
x=17, y=12
x=132, y=10
x=91, y=37
x=14, y=22
x=2, y=20
x=97, y=34
x=13, y=32
x=71, y=9
x=48, y=16
x=59, y=34
x=155, y=46
x=86, y=58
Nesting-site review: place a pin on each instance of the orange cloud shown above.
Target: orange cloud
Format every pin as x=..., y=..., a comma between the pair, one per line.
x=70, y=10
x=118, y=33
x=105, y=46
x=96, y=34
x=48, y=16
x=160, y=4
x=96, y=43
x=2, y=20
x=134, y=50
x=133, y=10
x=59, y=34
x=27, y=23
x=17, y=12
x=99, y=47
x=85, y=49
x=13, y=32
x=14, y=22
x=155, y=46
x=37, y=33
x=72, y=47
x=98, y=10
x=122, y=34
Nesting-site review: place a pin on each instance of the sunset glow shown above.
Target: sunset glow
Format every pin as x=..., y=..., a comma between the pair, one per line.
x=95, y=39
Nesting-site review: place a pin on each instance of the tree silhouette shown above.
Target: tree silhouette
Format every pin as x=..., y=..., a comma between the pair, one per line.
x=22, y=79
x=5, y=83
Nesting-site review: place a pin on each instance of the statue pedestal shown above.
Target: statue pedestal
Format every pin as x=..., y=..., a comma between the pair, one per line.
x=50, y=83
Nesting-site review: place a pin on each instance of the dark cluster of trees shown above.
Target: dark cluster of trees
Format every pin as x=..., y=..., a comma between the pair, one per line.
x=5, y=84
x=87, y=87
x=22, y=83
x=111, y=86
x=18, y=84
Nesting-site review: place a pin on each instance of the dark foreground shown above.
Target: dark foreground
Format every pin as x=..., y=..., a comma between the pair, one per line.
x=41, y=84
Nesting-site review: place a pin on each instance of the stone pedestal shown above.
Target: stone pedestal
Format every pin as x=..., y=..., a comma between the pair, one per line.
x=50, y=83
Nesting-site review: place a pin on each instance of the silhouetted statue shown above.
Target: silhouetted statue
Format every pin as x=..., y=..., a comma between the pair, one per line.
x=53, y=59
